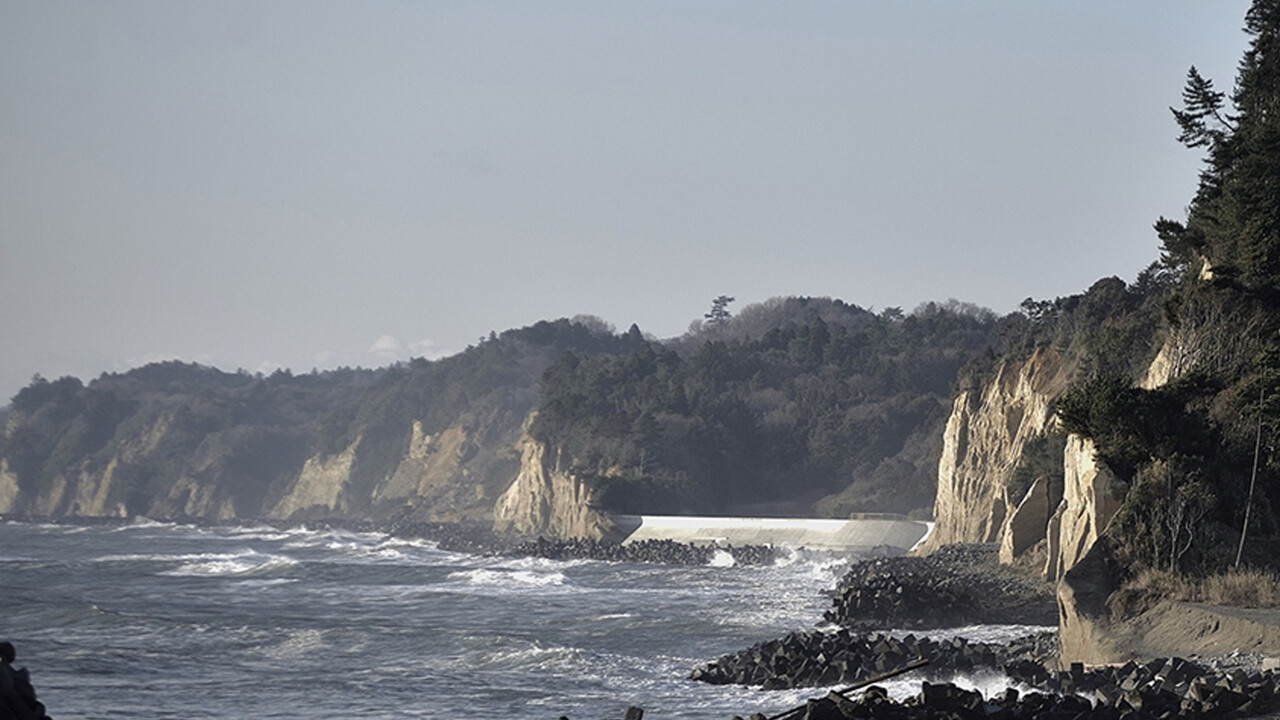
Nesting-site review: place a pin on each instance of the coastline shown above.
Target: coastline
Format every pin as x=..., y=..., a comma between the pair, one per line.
x=1238, y=678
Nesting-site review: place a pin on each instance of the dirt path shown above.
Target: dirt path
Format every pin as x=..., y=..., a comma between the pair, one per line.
x=1184, y=629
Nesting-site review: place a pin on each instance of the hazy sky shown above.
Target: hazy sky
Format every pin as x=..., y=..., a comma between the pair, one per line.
x=308, y=184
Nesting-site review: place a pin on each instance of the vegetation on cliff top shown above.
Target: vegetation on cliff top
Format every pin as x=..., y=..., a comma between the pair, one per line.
x=248, y=434
x=1188, y=447
x=828, y=395
x=828, y=400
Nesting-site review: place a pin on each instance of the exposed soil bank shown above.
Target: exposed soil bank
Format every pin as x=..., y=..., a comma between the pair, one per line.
x=1173, y=628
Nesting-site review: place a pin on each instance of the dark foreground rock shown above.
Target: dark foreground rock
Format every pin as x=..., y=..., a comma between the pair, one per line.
x=1165, y=689
x=958, y=585
x=17, y=695
x=813, y=659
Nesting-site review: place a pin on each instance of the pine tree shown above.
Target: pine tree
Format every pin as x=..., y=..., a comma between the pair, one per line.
x=1233, y=222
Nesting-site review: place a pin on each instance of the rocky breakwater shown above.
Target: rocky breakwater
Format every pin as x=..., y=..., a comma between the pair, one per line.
x=1163, y=689
x=667, y=552
x=815, y=658
x=957, y=585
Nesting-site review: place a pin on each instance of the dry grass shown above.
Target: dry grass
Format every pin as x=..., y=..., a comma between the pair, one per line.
x=1242, y=588
x=1248, y=588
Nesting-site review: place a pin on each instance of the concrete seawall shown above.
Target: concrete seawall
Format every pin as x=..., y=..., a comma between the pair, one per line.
x=852, y=535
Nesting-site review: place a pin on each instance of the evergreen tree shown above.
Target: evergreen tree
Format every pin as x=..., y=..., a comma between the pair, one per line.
x=1234, y=220
x=719, y=314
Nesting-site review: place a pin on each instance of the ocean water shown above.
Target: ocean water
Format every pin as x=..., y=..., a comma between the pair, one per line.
x=155, y=620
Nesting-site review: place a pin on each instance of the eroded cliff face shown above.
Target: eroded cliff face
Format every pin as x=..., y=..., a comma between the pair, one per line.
x=92, y=488
x=1091, y=496
x=320, y=487
x=8, y=487
x=547, y=499
x=246, y=472
x=983, y=441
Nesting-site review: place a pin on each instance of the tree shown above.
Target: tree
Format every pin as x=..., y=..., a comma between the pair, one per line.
x=719, y=314
x=1233, y=223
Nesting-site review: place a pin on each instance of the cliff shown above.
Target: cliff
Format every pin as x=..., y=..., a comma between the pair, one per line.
x=1061, y=515
x=436, y=441
x=983, y=442
x=235, y=474
x=547, y=498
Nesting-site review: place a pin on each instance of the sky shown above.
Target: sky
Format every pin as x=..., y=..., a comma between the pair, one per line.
x=317, y=184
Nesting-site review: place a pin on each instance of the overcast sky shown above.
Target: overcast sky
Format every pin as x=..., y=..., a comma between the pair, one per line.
x=305, y=184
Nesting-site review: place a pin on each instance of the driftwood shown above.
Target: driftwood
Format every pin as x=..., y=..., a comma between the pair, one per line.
x=913, y=665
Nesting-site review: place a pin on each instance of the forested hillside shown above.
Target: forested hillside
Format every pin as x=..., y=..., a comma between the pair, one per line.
x=791, y=402
x=831, y=404
x=241, y=439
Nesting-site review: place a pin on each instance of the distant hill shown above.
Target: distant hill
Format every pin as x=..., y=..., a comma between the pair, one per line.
x=790, y=402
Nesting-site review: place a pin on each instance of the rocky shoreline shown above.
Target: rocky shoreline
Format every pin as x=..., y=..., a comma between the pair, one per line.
x=955, y=586
x=818, y=659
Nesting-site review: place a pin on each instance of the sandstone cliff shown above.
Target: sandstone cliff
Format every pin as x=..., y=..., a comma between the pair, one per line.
x=546, y=498
x=1091, y=496
x=983, y=442
x=240, y=472
x=985, y=436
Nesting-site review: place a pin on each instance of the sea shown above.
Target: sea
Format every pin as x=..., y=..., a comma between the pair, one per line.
x=158, y=620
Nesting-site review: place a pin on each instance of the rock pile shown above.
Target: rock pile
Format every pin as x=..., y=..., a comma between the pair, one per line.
x=666, y=552
x=1167, y=689
x=946, y=701
x=814, y=658
x=958, y=585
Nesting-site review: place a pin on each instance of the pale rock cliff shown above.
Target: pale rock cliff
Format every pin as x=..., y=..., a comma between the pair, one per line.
x=430, y=462
x=1085, y=631
x=985, y=435
x=8, y=487
x=546, y=498
x=320, y=484
x=983, y=443
x=192, y=498
x=1025, y=526
x=1164, y=367
x=1091, y=496
x=88, y=489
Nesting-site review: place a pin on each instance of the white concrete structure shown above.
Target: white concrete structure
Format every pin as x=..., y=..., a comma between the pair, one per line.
x=855, y=534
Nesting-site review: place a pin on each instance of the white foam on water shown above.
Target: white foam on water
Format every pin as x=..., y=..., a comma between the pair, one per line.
x=983, y=633
x=266, y=533
x=537, y=563
x=16, y=558
x=509, y=578
x=142, y=523
x=265, y=582
x=230, y=565
x=298, y=643
x=509, y=654
x=410, y=542
x=721, y=558
x=988, y=682
x=172, y=557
